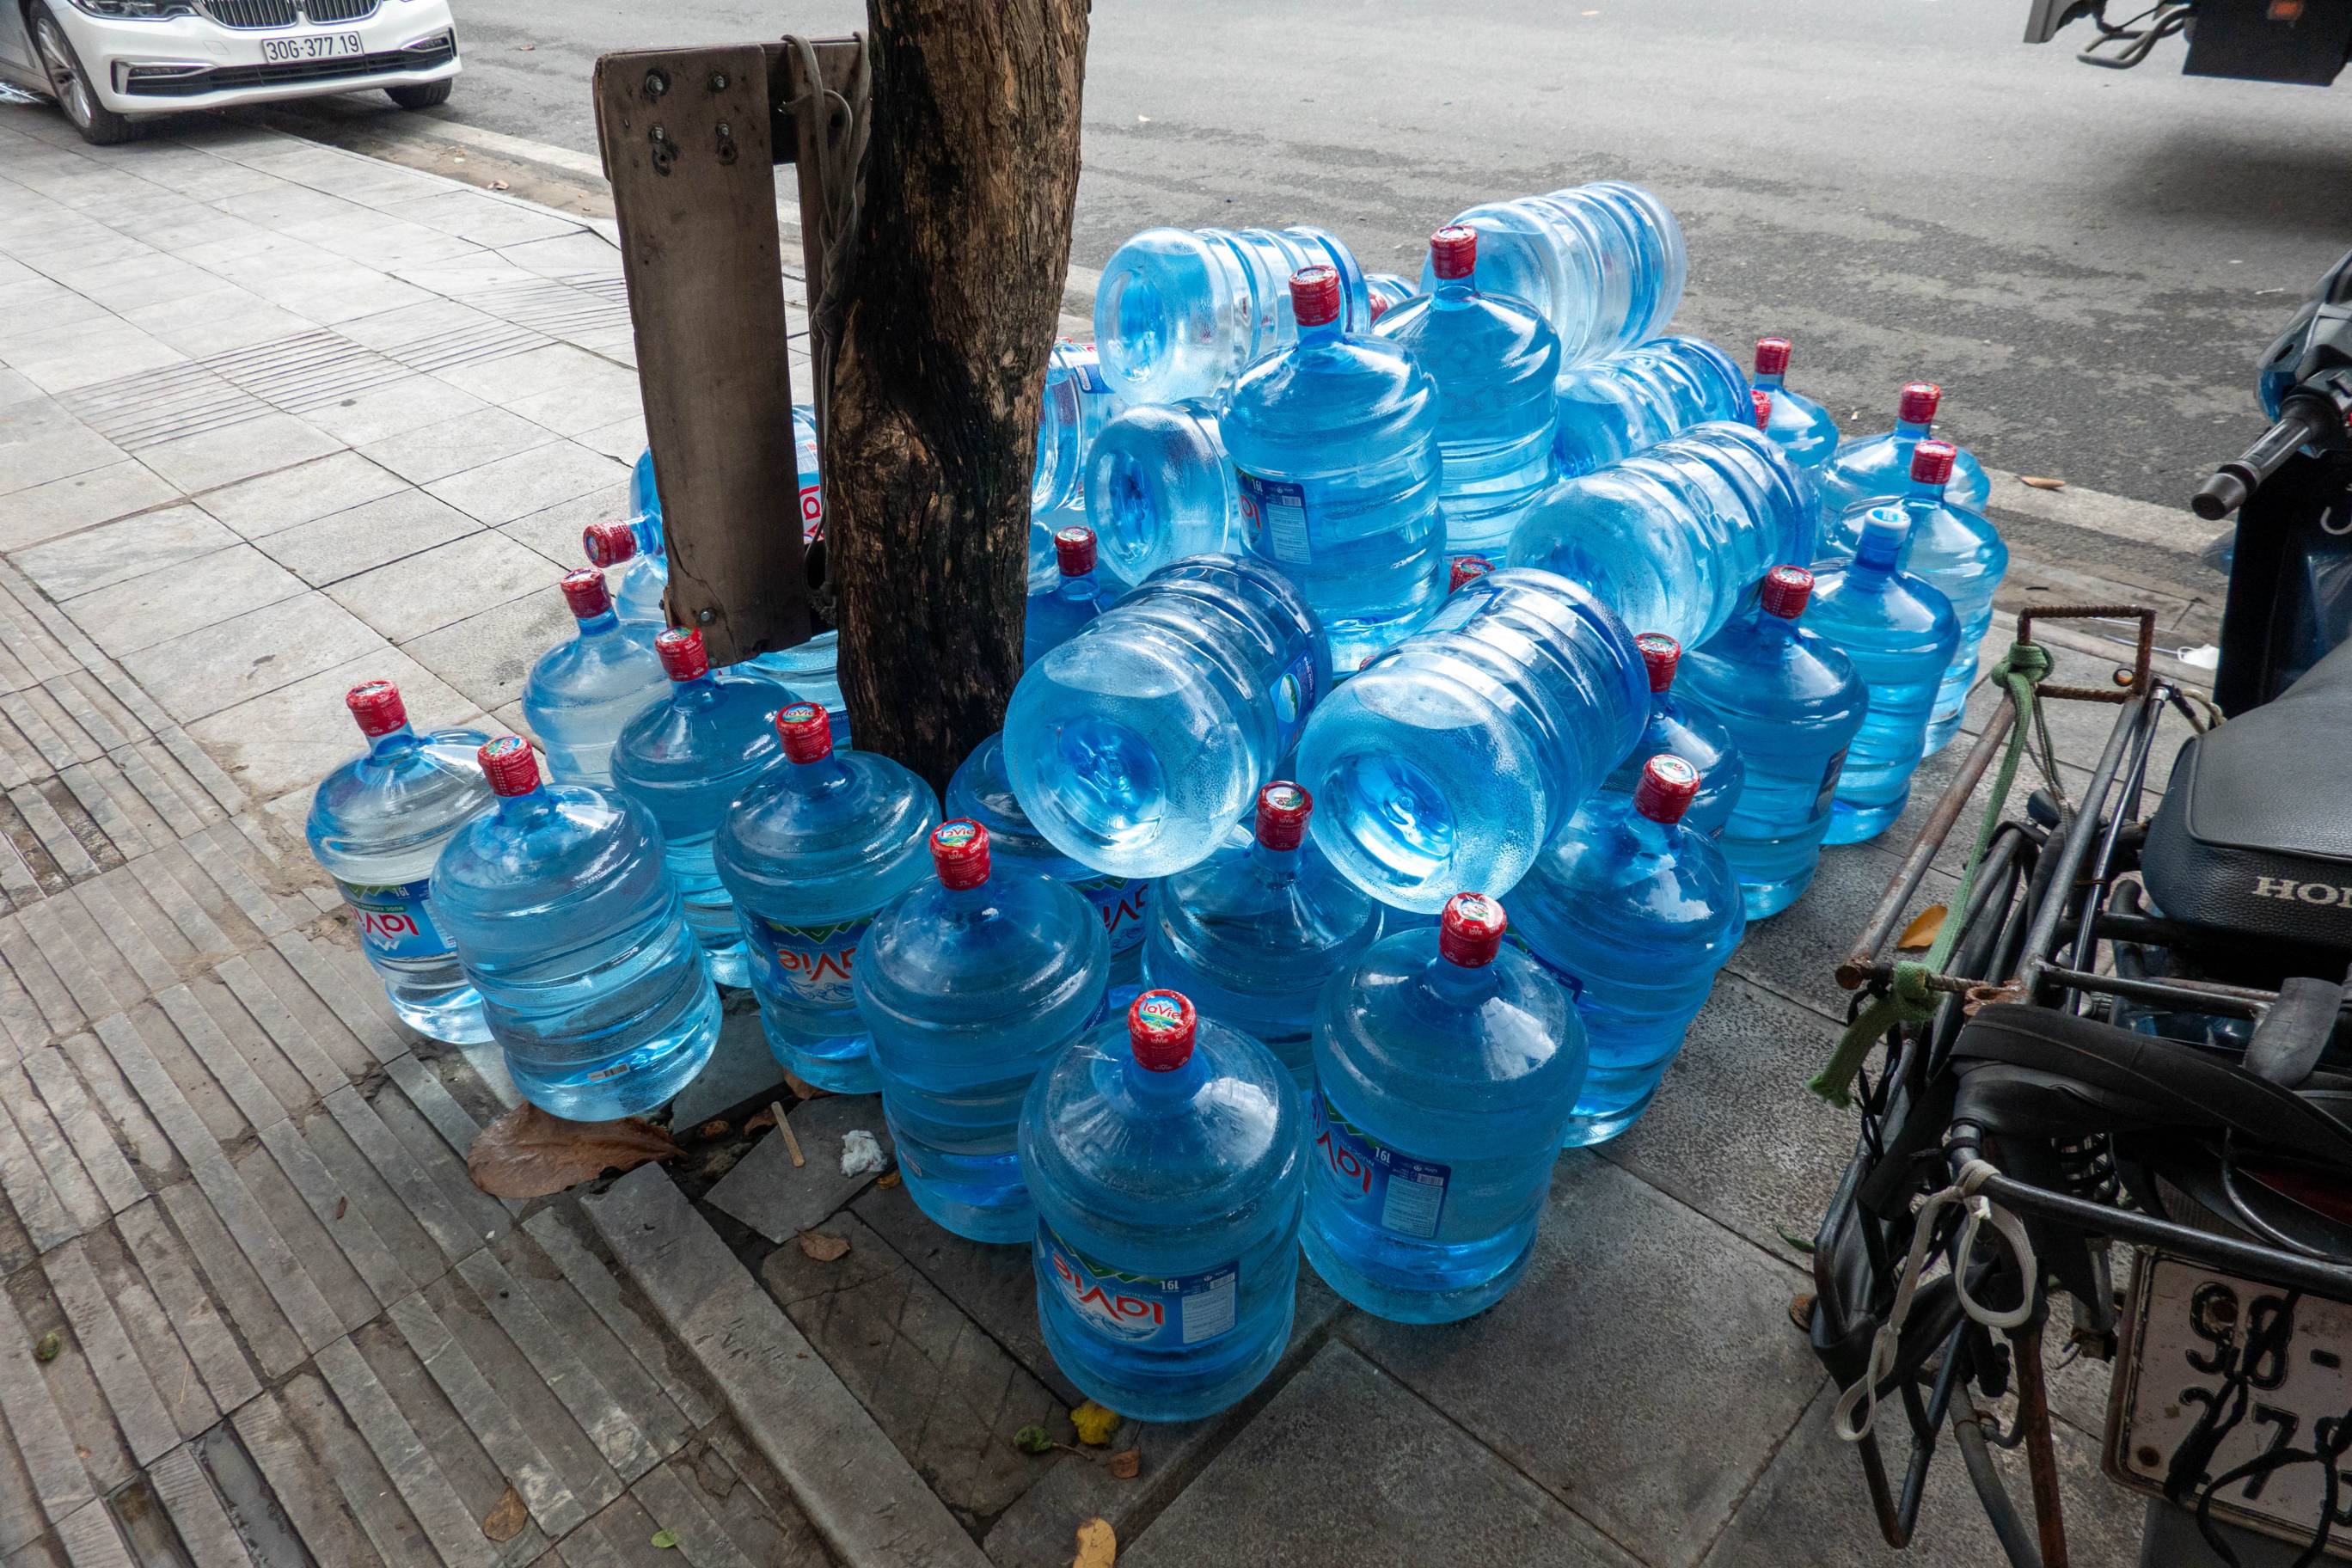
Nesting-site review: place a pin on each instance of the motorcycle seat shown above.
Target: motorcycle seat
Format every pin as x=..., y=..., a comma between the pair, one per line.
x=2253, y=840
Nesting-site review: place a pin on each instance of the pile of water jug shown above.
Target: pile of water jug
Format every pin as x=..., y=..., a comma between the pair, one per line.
x=1425, y=684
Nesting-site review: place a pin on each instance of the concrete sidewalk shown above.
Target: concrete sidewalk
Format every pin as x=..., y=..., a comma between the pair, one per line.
x=275, y=418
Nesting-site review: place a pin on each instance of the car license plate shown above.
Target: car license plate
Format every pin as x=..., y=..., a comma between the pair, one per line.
x=317, y=46
x=2186, y=1330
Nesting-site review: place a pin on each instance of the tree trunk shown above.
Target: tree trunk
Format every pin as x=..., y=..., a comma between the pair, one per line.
x=963, y=241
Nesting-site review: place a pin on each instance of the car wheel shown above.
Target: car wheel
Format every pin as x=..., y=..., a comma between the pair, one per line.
x=69, y=84
x=423, y=97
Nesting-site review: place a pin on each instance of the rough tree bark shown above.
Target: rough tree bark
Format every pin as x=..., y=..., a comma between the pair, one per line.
x=971, y=174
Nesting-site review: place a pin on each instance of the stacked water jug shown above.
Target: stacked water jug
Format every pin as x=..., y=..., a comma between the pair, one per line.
x=1425, y=685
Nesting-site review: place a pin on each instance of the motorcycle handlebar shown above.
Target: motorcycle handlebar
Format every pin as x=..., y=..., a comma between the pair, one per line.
x=2234, y=483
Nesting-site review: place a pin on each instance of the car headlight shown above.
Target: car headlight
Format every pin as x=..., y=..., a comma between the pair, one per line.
x=137, y=10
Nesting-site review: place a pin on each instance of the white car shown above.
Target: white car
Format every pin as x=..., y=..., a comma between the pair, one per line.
x=112, y=63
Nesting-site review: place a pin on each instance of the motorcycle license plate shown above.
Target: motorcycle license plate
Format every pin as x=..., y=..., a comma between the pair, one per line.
x=2189, y=1335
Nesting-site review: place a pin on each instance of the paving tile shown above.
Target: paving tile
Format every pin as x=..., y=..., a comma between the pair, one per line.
x=394, y=408
x=272, y=502
x=625, y=1442
x=65, y=505
x=42, y=442
x=72, y=1385
x=948, y=1396
x=1345, y=1465
x=631, y=1320
x=223, y=320
x=442, y=584
x=338, y=1283
x=181, y=598
x=166, y=1363
x=453, y=1532
x=301, y=1485
x=91, y=1540
x=768, y=1193
x=1631, y=1431
x=45, y=1217
x=147, y=1427
x=33, y=1420
x=89, y=351
x=488, y=657
x=623, y=440
x=667, y=1492
x=346, y=543
x=196, y=1512
x=1811, y=1507
x=529, y=481
x=488, y=1417
x=340, y=977
x=367, y=1490
x=149, y=1150
x=484, y=219
x=204, y=671
x=554, y=532
x=863, y=1498
x=118, y=552
x=1733, y=1133
x=537, y=1406
x=453, y=445
x=76, y=1192
x=283, y=740
x=84, y=1130
x=239, y=451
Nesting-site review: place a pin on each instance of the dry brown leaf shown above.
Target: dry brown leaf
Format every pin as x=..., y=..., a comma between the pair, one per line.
x=1920, y=934
x=1126, y=1465
x=760, y=1119
x=342, y=1206
x=497, y=184
x=715, y=1128
x=2038, y=483
x=526, y=1154
x=887, y=1179
x=802, y=1089
x=822, y=1247
x=1097, y=1545
x=507, y=1517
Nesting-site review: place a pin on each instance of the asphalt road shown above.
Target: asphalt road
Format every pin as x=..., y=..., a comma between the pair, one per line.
x=2088, y=260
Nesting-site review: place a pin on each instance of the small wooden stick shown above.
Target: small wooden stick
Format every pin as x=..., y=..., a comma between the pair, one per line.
x=792, y=1145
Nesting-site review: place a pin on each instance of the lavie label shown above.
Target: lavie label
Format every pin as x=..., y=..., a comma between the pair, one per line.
x=1385, y=1186
x=1123, y=903
x=393, y=920
x=1273, y=513
x=810, y=964
x=1143, y=1310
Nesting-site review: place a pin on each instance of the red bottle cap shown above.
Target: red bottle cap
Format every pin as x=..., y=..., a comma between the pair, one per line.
x=1759, y=402
x=1668, y=787
x=1470, y=932
x=1315, y=295
x=1160, y=1026
x=959, y=850
x=683, y=657
x=608, y=543
x=1074, y=549
x=1660, y=654
x=1283, y=808
x=377, y=706
x=807, y=732
x=1786, y=589
x=1771, y=356
x=1454, y=251
x=1468, y=569
x=585, y=591
x=1380, y=307
x=1919, y=402
x=1931, y=462
x=509, y=766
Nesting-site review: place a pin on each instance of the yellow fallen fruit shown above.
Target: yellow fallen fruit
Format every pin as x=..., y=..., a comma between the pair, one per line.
x=1095, y=1423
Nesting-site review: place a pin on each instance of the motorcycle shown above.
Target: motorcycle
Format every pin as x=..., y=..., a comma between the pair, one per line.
x=2125, y=1092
